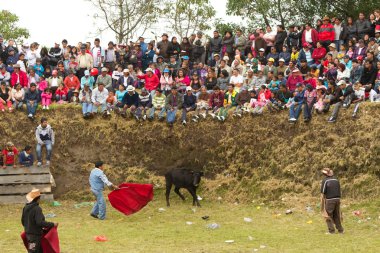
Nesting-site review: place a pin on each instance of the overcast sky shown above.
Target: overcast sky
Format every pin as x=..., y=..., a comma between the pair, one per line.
x=69, y=19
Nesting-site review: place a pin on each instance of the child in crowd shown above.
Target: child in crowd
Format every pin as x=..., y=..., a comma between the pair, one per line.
x=47, y=72
x=46, y=99
x=75, y=98
x=319, y=106
x=290, y=101
x=274, y=84
x=249, y=107
x=38, y=68
x=72, y=64
x=61, y=94
x=116, y=74
x=263, y=99
x=42, y=85
x=26, y=158
x=111, y=102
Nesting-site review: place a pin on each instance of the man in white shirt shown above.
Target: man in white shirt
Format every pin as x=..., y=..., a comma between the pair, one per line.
x=98, y=54
x=99, y=98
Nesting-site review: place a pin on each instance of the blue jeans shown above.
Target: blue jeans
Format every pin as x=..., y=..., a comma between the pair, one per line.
x=307, y=109
x=18, y=105
x=338, y=43
x=171, y=115
x=99, y=208
x=95, y=108
x=31, y=109
x=295, y=111
x=49, y=148
x=186, y=110
x=160, y=114
x=86, y=108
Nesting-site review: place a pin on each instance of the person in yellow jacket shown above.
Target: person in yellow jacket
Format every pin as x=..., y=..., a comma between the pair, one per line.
x=229, y=102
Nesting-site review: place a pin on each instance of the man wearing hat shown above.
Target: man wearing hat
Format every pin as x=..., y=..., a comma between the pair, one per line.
x=145, y=103
x=97, y=181
x=34, y=222
x=162, y=47
x=130, y=101
x=151, y=80
x=104, y=78
x=326, y=33
x=189, y=104
x=270, y=67
x=19, y=76
x=126, y=79
x=330, y=190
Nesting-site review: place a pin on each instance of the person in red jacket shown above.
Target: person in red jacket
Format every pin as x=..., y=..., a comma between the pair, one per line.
x=326, y=32
x=19, y=76
x=216, y=101
x=318, y=53
x=310, y=35
x=151, y=80
x=293, y=79
x=72, y=83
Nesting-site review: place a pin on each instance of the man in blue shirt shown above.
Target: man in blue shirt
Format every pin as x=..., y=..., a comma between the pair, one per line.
x=97, y=181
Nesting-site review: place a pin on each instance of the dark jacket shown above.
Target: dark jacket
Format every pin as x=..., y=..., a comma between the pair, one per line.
x=228, y=43
x=33, y=219
x=170, y=101
x=189, y=101
x=348, y=91
x=174, y=47
x=130, y=80
x=260, y=43
x=242, y=98
x=279, y=40
x=283, y=97
x=293, y=39
x=352, y=32
x=27, y=161
x=336, y=94
x=130, y=100
x=330, y=187
x=217, y=100
x=145, y=101
x=363, y=27
x=368, y=76
x=215, y=44
x=32, y=96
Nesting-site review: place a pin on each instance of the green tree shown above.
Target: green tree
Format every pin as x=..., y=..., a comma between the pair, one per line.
x=125, y=18
x=287, y=12
x=224, y=27
x=9, y=27
x=187, y=16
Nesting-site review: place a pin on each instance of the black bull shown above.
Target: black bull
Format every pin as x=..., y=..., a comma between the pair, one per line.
x=183, y=178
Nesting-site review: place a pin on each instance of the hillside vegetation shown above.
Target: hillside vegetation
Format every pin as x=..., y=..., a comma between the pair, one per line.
x=263, y=157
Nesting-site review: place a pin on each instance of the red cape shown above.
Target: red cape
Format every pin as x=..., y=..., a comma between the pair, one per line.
x=49, y=241
x=131, y=197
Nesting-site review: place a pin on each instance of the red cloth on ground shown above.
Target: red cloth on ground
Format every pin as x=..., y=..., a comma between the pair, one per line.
x=49, y=241
x=131, y=197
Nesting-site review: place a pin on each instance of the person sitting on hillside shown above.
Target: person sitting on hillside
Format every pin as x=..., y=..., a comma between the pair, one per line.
x=145, y=103
x=87, y=80
x=99, y=99
x=174, y=102
x=189, y=104
x=216, y=101
x=85, y=98
x=296, y=107
x=18, y=96
x=26, y=157
x=45, y=137
x=111, y=102
x=334, y=97
x=10, y=153
x=158, y=103
x=130, y=101
x=202, y=104
x=242, y=98
x=126, y=79
x=151, y=80
x=228, y=104
x=72, y=83
x=31, y=98
x=263, y=100
x=310, y=99
x=5, y=98
x=61, y=94
x=105, y=79
x=282, y=96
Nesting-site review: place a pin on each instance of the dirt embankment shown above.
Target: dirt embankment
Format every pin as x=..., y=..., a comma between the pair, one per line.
x=263, y=157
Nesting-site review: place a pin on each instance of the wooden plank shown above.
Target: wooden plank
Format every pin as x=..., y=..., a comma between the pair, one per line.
x=15, y=199
x=24, y=170
x=25, y=179
x=24, y=188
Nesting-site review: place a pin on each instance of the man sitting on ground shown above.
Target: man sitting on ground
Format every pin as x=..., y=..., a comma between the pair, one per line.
x=130, y=101
x=189, y=104
x=26, y=158
x=158, y=103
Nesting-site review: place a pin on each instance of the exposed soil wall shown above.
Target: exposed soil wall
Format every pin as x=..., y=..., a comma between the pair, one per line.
x=262, y=157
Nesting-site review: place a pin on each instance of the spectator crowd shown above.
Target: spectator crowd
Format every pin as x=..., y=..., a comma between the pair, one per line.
x=317, y=68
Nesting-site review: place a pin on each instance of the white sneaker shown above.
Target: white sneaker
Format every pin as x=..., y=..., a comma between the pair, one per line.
x=218, y=118
x=196, y=116
x=47, y=163
x=204, y=115
x=39, y=164
x=222, y=118
x=292, y=119
x=195, y=120
x=43, y=107
x=213, y=115
x=144, y=117
x=184, y=122
x=239, y=115
x=108, y=113
x=30, y=115
x=47, y=107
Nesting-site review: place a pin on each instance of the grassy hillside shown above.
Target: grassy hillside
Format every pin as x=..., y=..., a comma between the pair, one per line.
x=263, y=157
